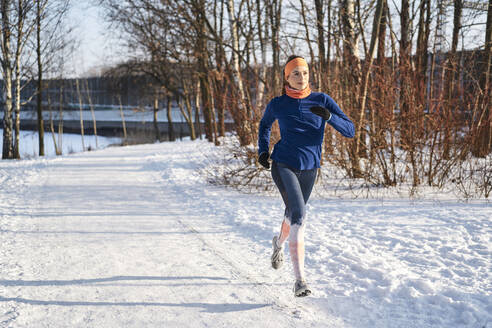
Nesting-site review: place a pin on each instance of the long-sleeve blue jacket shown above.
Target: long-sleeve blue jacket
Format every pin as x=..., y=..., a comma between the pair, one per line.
x=301, y=131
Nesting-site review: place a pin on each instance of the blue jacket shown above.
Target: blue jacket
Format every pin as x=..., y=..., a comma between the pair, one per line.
x=301, y=131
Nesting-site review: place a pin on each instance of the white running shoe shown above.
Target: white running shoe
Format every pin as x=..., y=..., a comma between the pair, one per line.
x=278, y=254
x=301, y=289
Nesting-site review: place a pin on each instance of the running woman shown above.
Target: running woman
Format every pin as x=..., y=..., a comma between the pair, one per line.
x=301, y=115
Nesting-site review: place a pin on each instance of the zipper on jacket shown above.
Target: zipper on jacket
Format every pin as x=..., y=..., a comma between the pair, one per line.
x=299, y=109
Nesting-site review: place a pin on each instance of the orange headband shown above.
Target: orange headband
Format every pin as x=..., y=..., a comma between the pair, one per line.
x=293, y=64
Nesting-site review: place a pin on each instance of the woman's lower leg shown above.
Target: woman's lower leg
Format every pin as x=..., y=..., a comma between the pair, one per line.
x=284, y=232
x=296, y=248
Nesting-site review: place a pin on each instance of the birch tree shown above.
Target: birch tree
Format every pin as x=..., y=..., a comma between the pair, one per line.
x=17, y=25
x=6, y=62
x=25, y=26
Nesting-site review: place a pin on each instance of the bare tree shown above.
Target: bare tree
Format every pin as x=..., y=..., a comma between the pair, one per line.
x=25, y=25
x=483, y=144
x=219, y=53
x=39, y=13
x=351, y=76
x=17, y=25
x=423, y=37
x=451, y=71
x=173, y=36
x=274, y=13
x=365, y=79
x=320, y=18
x=6, y=62
x=244, y=104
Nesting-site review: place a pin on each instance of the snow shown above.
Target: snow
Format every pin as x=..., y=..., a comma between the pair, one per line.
x=135, y=237
x=70, y=143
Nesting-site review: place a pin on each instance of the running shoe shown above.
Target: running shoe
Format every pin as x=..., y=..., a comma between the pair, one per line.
x=278, y=255
x=301, y=289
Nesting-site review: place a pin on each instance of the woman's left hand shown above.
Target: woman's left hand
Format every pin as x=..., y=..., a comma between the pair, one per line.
x=321, y=111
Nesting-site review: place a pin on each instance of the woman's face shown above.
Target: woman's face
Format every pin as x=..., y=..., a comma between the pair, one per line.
x=299, y=78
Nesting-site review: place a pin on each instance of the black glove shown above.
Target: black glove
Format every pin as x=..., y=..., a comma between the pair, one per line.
x=263, y=160
x=321, y=111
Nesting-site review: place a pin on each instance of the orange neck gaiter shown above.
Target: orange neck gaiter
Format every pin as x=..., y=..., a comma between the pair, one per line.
x=297, y=94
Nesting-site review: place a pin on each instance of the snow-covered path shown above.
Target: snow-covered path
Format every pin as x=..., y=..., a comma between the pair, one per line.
x=100, y=239
x=134, y=237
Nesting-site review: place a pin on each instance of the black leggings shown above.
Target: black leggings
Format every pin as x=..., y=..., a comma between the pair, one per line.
x=295, y=186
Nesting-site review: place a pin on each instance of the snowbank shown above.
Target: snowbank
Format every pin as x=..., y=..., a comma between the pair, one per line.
x=70, y=143
x=134, y=236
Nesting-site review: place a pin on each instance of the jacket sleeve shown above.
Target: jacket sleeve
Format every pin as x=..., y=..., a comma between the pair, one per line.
x=338, y=119
x=265, y=128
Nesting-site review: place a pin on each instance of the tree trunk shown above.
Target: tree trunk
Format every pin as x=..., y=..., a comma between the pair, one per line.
x=406, y=138
x=378, y=126
x=320, y=17
x=260, y=96
x=17, y=103
x=351, y=80
x=308, y=40
x=187, y=114
x=60, y=122
x=18, y=51
x=197, y=109
x=40, y=80
x=157, y=133
x=422, y=54
x=348, y=24
x=328, y=46
x=170, y=128
x=325, y=70
x=407, y=115
x=244, y=105
x=219, y=81
x=79, y=94
x=365, y=79
x=451, y=68
x=93, y=114
x=236, y=69
x=122, y=121
x=52, y=126
x=220, y=103
x=483, y=141
x=7, y=149
x=202, y=54
x=423, y=39
x=274, y=10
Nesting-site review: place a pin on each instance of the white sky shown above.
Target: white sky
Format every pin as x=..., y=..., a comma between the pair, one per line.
x=97, y=43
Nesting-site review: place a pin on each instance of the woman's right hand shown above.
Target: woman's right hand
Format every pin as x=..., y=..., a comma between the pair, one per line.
x=263, y=159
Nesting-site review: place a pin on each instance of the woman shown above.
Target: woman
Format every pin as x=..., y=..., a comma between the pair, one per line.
x=301, y=115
